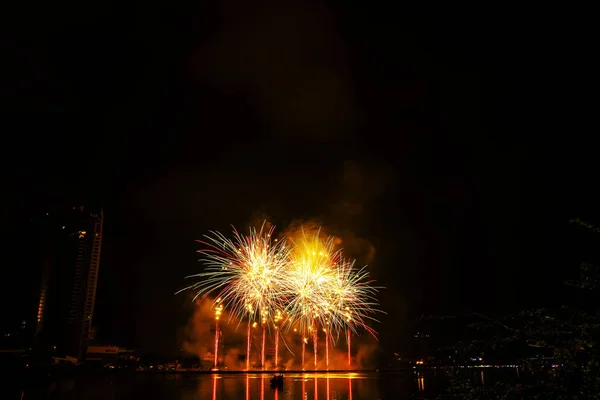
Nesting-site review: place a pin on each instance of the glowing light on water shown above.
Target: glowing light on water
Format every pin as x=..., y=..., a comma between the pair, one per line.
x=262, y=388
x=247, y=386
x=420, y=382
x=214, y=387
x=349, y=389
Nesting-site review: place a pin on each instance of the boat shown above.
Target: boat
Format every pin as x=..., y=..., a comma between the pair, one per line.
x=277, y=381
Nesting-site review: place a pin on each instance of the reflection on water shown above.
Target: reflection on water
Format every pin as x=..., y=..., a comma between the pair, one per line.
x=324, y=386
x=420, y=382
x=350, y=389
x=305, y=386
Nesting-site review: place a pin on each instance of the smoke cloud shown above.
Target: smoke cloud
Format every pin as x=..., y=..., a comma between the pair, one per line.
x=198, y=339
x=289, y=61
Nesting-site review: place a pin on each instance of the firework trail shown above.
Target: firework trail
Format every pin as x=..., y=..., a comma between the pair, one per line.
x=248, y=343
x=264, y=338
x=348, y=338
x=326, y=349
x=315, y=344
x=304, y=341
x=276, y=321
x=218, y=311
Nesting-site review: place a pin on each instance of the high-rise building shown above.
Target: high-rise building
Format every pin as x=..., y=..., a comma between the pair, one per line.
x=70, y=243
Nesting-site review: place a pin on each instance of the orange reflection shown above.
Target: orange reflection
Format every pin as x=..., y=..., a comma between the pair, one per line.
x=421, y=382
x=349, y=389
x=262, y=388
x=304, y=396
x=247, y=387
x=324, y=386
x=214, y=387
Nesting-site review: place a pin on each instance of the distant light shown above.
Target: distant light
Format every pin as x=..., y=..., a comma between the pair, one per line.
x=63, y=227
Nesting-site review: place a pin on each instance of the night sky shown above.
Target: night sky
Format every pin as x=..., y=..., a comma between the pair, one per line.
x=442, y=145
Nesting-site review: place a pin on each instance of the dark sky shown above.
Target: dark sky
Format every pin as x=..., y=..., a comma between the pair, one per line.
x=447, y=140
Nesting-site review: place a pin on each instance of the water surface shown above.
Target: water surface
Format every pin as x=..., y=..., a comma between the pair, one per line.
x=175, y=386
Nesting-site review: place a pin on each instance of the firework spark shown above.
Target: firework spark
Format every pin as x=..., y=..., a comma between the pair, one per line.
x=246, y=272
x=326, y=290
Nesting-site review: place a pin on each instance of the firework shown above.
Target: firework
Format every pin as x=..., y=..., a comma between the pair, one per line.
x=352, y=298
x=309, y=281
x=310, y=276
x=307, y=284
x=245, y=273
x=326, y=290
